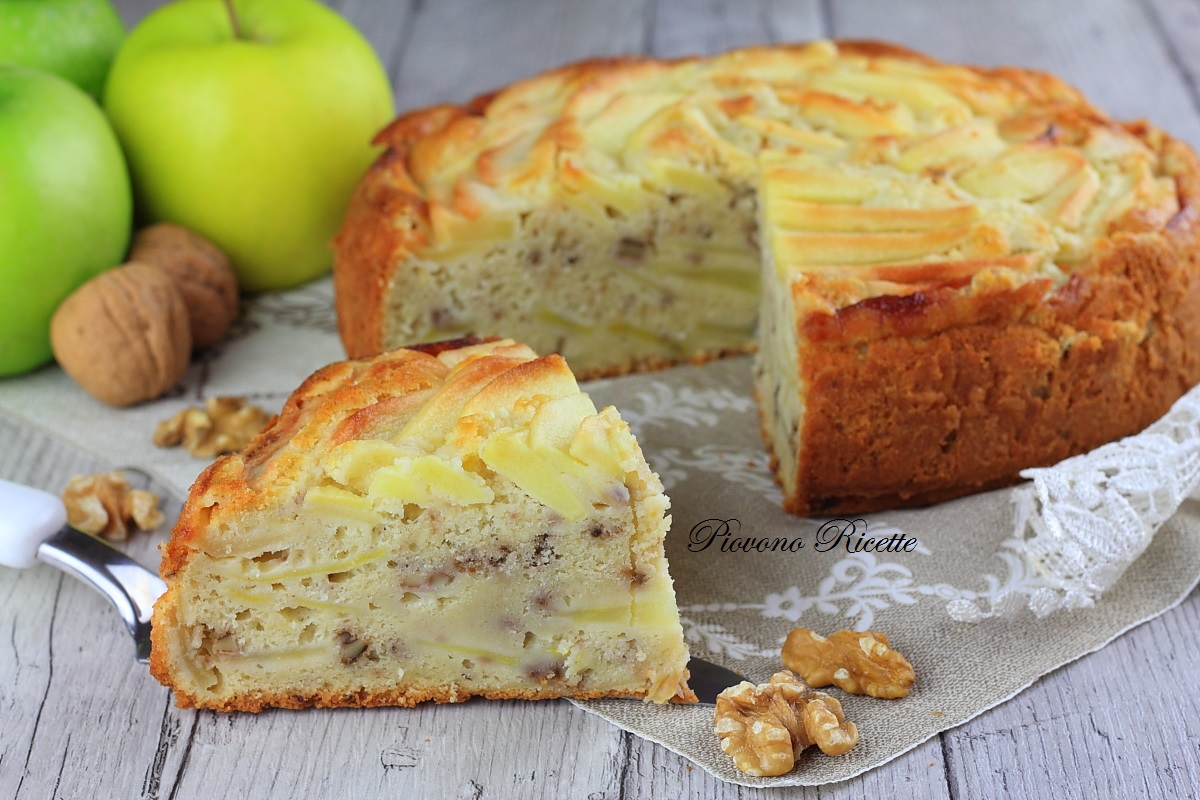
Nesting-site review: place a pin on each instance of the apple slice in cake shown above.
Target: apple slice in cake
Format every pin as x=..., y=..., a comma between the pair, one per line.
x=429, y=524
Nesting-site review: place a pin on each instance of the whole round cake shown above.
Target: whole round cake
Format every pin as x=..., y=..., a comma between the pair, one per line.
x=951, y=273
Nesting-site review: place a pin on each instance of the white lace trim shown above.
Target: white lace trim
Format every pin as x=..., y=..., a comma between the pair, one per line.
x=1082, y=522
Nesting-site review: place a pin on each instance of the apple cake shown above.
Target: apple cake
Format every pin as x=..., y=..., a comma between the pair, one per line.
x=950, y=273
x=428, y=524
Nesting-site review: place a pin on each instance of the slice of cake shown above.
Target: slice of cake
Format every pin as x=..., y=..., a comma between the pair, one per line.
x=429, y=524
x=932, y=327
x=964, y=272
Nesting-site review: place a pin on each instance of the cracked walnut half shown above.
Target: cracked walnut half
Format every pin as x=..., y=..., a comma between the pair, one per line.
x=764, y=728
x=105, y=505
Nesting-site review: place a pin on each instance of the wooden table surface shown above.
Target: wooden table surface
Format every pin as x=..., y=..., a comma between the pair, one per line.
x=78, y=718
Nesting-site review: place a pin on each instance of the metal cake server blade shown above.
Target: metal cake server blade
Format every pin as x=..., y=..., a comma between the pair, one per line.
x=708, y=679
x=130, y=587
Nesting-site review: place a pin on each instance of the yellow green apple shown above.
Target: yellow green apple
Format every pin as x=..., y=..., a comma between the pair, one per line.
x=74, y=39
x=249, y=121
x=65, y=206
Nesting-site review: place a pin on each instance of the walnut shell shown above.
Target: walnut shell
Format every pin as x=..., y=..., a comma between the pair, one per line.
x=124, y=336
x=200, y=270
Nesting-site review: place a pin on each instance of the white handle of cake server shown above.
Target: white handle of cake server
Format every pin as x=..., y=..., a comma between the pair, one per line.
x=28, y=517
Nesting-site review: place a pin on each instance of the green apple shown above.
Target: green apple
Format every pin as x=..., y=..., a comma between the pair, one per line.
x=250, y=122
x=75, y=39
x=65, y=206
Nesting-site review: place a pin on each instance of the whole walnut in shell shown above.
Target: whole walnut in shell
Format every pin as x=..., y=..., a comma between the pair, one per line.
x=124, y=335
x=200, y=270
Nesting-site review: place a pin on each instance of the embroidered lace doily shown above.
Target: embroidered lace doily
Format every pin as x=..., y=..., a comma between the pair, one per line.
x=1082, y=522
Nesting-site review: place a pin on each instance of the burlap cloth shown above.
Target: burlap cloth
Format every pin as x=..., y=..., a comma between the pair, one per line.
x=699, y=430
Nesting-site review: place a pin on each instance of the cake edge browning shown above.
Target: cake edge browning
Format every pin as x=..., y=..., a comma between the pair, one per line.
x=1108, y=389
x=228, y=473
x=230, y=478
x=227, y=477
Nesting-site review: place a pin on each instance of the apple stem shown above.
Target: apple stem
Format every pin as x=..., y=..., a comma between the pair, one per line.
x=233, y=19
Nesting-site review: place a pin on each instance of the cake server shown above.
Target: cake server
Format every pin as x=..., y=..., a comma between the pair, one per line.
x=33, y=528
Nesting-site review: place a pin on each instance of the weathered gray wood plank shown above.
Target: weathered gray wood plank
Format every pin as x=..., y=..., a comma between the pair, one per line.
x=387, y=26
x=682, y=27
x=531, y=750
x=1117, y=723
x=25, y=658
x=1110, y=49
x=458, y=49
x=653, y=771
x=132, y=11
x=1177, y=23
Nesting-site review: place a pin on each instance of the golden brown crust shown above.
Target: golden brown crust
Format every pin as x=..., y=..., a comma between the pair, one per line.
x=929, y=397
x=233, y=481
x=365, y=699
x=381, y=221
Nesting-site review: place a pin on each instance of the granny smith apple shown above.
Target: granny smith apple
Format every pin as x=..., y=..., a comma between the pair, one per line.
x=75, y=39
x=65, y=206
x=250, y=122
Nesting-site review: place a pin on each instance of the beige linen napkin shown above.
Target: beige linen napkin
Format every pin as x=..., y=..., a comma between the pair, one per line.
x=701, y=435
x=699, y=430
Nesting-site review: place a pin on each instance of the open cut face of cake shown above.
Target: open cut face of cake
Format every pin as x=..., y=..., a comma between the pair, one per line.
x=950, y=273
x=428, y=524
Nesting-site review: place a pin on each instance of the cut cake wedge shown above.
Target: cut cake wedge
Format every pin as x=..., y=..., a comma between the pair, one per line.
x=950, y=274
x=428, y=524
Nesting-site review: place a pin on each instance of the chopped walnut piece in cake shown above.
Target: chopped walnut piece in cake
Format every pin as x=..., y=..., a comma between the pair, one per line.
x=106, y=505
x=224, y=425
x=764, y=728
x=350, y=646
x=858, y=662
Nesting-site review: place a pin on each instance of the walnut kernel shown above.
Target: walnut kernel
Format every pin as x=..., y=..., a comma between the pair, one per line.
x=224, y=425
x=855, y=662
x=349, y=646
x=106, y=505
x=764, y=728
